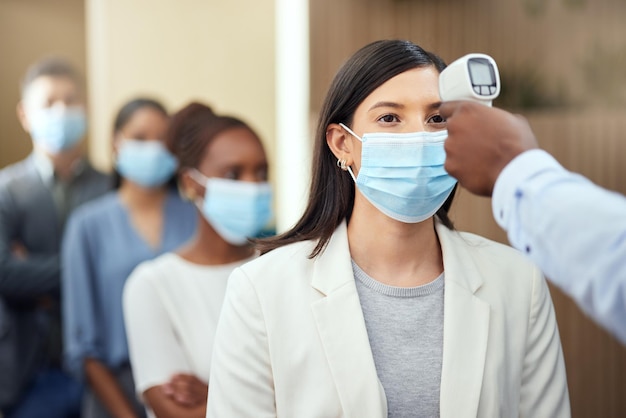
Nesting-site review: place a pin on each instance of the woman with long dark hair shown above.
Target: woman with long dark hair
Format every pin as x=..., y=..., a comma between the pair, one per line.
x=372, y=305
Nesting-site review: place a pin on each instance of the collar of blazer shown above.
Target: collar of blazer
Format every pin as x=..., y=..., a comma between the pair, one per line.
x=332, y=270
x=342, y=329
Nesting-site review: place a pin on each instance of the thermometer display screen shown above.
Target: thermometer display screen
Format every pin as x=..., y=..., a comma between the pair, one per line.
x=481, y=72
x=482, y=75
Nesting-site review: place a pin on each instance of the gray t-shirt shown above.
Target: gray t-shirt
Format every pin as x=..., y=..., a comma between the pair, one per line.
x=405, y=330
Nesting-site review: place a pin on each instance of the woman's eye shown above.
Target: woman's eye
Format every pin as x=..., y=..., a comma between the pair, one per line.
x=261, y=175
x=437, y=119
x=231, y=175
x=70, y=100
x=388, y=118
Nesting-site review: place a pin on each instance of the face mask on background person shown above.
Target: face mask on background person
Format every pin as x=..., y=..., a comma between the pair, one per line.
x=402, y=175
x=147, y=163
x=56, y=129
x=237, y=210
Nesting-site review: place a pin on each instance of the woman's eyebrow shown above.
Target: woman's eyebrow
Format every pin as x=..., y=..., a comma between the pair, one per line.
x=432, y=106
x=386, y=104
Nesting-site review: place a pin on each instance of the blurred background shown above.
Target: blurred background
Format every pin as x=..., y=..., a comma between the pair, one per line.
x=562, y=64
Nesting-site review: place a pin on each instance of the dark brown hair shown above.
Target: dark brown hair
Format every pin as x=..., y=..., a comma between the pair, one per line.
x=130, y=108
x=331, y=195
x=193, y=128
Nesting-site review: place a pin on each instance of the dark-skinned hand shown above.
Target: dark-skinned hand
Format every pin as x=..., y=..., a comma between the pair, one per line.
x=481, y=141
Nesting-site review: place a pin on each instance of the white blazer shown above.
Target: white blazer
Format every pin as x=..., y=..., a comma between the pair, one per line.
x=291, y=341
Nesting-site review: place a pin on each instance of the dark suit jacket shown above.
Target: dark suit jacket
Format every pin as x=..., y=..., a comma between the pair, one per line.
x=28, y=216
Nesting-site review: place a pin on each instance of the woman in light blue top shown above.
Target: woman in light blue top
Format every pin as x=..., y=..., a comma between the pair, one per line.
x=105, y=240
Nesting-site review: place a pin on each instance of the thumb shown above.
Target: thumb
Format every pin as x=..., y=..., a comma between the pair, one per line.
x=447, y=109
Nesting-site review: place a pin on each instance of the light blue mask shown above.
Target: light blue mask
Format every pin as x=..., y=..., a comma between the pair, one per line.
x=402, y=175
x=147, y=163
x=57, y=129
x=237, y=210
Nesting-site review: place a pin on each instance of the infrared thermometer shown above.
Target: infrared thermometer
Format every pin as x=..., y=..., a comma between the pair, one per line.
x=472, y=77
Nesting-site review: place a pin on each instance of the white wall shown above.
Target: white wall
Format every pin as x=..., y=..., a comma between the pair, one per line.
x=218, y=52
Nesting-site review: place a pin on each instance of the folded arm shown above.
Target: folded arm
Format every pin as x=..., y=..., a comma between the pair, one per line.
x=23, y=275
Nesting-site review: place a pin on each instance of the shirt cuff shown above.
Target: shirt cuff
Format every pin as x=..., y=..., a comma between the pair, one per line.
x=508, y=187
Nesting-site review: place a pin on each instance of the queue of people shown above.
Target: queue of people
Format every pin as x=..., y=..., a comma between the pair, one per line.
x=186, y=194
x=150, y=292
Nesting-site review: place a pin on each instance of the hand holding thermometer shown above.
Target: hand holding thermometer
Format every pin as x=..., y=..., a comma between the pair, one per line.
x=472, y=77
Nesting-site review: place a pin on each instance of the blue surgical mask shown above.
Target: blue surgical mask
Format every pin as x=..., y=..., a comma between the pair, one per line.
x=147, y=163
x=56, y=129
x=402, y=175
x=237, y=210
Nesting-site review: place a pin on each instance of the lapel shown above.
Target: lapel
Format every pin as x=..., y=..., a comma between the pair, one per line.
x=37, y=202
x=342, y=331
x=465, y=330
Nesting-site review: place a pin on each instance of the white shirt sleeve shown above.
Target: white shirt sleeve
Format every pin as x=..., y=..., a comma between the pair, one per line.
x=155, y=351
x=574, y=230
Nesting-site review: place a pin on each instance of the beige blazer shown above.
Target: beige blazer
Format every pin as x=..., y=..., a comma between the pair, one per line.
x=291, y=341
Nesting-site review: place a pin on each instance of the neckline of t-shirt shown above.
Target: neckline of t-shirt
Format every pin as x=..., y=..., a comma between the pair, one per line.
x=395, y=291
x=179, y=259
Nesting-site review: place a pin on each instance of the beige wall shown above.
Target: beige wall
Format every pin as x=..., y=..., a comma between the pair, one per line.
x=29, y=30
x=221, y=53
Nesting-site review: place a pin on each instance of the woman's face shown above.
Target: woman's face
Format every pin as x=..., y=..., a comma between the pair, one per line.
x=145, y=124
x=408, y=102
x=235, y=154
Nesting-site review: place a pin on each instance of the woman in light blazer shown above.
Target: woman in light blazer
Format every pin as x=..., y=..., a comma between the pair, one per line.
x=372, y=305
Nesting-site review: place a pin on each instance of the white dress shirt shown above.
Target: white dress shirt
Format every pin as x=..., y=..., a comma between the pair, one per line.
x=574, y=230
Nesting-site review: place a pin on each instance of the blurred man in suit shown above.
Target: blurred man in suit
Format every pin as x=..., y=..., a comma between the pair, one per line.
x=36, y=196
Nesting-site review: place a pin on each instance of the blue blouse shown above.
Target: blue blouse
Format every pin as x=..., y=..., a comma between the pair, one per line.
x=100, y=250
